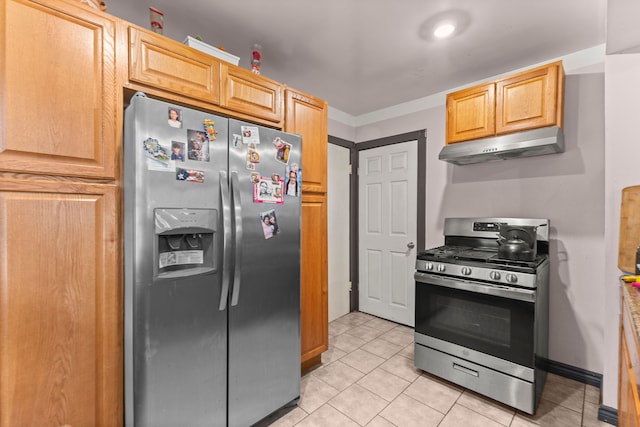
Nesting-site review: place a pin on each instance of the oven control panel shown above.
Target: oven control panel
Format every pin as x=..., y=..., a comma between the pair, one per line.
x=487, y=226
x=466, y=272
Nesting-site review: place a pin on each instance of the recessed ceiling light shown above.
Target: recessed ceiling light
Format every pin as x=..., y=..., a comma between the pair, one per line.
x=444, y=30
x=445, y=24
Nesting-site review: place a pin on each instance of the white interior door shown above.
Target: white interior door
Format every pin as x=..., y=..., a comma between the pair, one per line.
x=338, y=236
x=387, y=231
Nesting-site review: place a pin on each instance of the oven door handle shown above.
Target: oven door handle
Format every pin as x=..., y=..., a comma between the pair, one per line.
x=526, y=295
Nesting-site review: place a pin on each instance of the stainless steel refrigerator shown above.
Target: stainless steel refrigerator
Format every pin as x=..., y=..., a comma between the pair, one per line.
x=212, y=268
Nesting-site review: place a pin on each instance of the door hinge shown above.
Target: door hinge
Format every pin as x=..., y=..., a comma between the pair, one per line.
x=350, y=286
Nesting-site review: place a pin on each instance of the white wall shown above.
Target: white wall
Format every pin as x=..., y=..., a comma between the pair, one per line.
x=339, y=169
x=622, y=153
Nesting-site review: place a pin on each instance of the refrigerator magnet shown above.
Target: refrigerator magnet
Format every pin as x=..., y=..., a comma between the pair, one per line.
x=178, y=150
x=189, y=175
x=269, y=224
x=267, y=191
x=293, y=180
x=156, y=152
x=283, y=149
x=175, y=117
x=210, y=129
x=237, y=139
x=253, y=156
x=255, y=177
x=198, y=145
x=250, y=135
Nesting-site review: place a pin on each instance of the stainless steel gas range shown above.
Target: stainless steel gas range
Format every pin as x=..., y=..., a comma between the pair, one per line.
x=482, y=308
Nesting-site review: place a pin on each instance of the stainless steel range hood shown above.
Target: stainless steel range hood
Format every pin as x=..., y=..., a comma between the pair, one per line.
x=536, y=142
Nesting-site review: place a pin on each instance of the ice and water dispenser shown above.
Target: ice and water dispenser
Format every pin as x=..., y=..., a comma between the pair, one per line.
x=184, y=242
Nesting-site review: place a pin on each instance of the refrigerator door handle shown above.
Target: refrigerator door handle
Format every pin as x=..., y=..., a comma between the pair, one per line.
x=237, y=209
x=226, y=240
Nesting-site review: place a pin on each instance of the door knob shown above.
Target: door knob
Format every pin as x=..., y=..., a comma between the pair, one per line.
x=411, y=245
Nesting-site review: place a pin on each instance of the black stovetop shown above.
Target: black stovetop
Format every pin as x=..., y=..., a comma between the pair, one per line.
x=464, y=254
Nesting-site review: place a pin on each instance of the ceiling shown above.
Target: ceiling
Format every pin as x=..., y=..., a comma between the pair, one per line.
x=365, y=55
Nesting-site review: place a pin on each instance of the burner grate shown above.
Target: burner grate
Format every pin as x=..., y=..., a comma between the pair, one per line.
x=460, y=254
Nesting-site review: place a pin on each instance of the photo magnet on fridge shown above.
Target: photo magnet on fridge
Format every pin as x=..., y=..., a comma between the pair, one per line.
x=175, y=117
x=268, y=191
x=156, y=152
x=250, y=135
x=178, y=151
x=293, y=180
x=252, y=154
x=283, y=149
x=198, y=145
x=269, y=223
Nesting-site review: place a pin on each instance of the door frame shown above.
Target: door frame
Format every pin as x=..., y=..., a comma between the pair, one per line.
x=421, y=137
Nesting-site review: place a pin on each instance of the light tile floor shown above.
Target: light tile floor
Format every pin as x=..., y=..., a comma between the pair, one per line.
x=367, y=378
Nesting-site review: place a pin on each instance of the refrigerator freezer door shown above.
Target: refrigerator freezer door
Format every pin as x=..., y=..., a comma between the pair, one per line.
x=175, y=333
x=264, y=318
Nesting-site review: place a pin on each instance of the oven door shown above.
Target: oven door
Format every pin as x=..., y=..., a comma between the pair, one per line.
x=491, y=319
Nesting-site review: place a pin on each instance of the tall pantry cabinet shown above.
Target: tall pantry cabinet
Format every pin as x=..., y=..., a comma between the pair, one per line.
x=60, y=280
x=307, y=116
x=66, y=71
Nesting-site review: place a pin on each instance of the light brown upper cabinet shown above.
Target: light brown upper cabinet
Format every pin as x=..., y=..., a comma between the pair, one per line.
x=306, y=115
x=159, y=62
x=58, y=83
x=531, y=99
x=471, y=113
x=527, y=100
x=252, y=94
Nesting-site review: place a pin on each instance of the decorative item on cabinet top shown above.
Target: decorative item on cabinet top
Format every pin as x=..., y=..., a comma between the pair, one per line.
x=213, y=51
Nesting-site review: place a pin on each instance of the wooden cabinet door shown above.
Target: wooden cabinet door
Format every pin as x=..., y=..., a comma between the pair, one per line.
x=307, y=116
x=625, y=392
x=60, y=305
x=314, y=323
x=530, y=99
x=471, y=113
x=58, y=112
x=159, y=62
x=251, y=94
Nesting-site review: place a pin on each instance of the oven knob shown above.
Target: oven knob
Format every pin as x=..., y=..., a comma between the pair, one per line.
x=466, y=271
x=512, y=278
x=441, y=268
x=429, y=266
x=494, y=275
